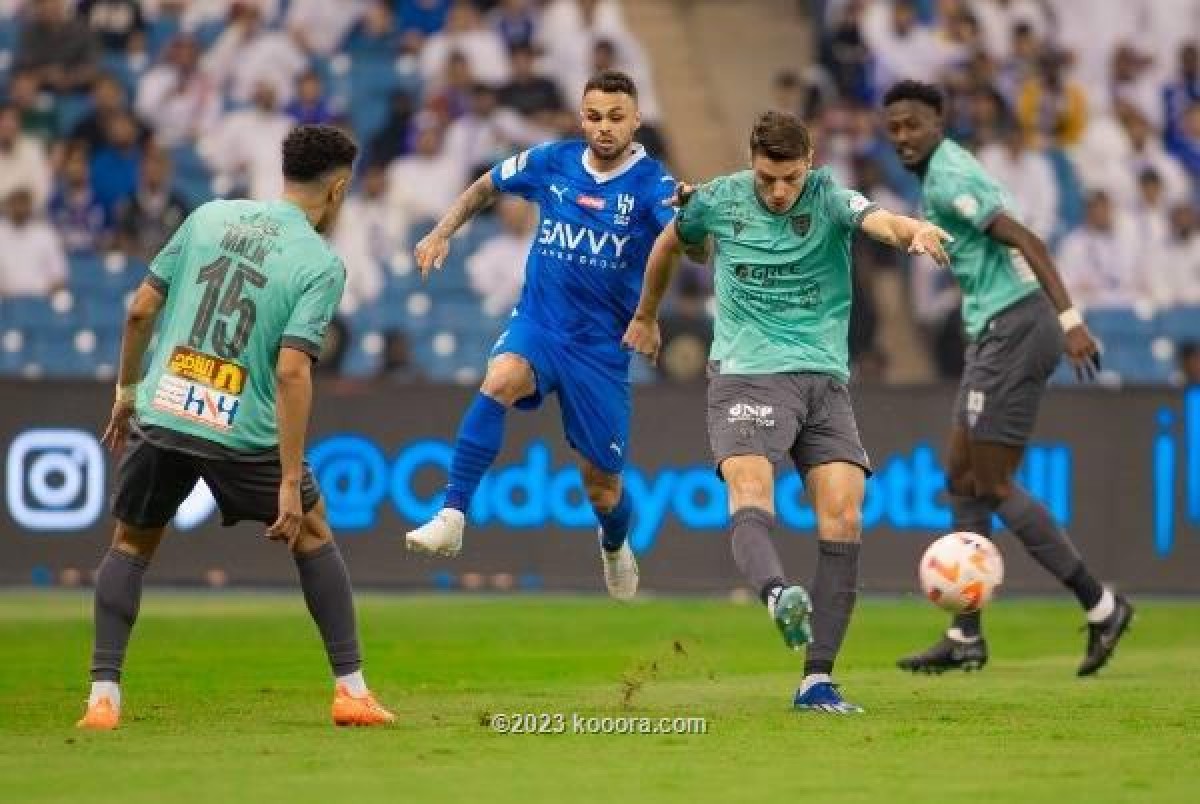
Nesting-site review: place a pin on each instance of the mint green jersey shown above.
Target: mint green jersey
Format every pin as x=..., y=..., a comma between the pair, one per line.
x=963, y=199
x=783, y=282
x=242, y=279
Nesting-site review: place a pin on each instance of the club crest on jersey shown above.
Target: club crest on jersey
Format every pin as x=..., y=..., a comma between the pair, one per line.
x=624, y=210
x=591, y=202
x=801, y=224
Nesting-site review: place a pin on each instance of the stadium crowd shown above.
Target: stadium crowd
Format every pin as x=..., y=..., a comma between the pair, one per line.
x=120, y=116
x=1089, y=113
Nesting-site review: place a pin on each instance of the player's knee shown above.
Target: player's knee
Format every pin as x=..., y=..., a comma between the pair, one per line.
x=603, y=490
x=842, y=522
x=140, y=542
x=960, y=482
x=995, y=490
x=749, y=489
x=508, y=380
x=314, y=533
x=603, y=498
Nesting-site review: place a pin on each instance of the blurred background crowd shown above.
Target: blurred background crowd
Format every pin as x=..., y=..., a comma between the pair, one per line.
x=1087, y=112
x=120, y=116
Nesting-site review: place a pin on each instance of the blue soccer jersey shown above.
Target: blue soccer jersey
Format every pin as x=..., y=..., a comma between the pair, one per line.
x=584, y=273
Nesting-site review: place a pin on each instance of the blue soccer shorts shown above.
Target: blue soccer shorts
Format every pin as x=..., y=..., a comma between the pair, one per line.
x=592, y=383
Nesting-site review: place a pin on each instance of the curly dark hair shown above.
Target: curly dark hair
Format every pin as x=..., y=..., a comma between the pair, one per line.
x=312, y=151
x=918, y=91
x=780, y=137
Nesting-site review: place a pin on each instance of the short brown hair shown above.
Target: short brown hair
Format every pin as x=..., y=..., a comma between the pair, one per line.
x=780, y=136
x=612, y=81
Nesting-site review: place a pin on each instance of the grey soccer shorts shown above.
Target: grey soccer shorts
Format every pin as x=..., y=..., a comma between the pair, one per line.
x=1007, y=368
x=153, y=481
x=805, y=416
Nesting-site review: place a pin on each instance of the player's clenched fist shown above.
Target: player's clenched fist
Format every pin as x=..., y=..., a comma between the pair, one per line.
x=1083, y=352
x=928, y=239
x=643, y=336
x=431, y=252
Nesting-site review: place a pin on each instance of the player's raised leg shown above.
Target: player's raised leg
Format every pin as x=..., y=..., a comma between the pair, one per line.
x=509, y=379
x=330, y=601
x=751, y=483
x=962, y=646
x=614, y=510
x=837, y=491
x=117, y=599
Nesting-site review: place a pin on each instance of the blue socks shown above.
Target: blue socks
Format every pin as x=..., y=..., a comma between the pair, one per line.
x=615, y=524
x=479, y=438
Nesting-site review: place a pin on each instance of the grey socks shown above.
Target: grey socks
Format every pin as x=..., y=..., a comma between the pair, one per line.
x=834, y=591
x=117, y=600
x=1044, y=540
x=753, y=551
x=331, y=603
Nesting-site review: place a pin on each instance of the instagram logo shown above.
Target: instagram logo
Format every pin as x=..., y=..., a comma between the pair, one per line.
x=55, y=479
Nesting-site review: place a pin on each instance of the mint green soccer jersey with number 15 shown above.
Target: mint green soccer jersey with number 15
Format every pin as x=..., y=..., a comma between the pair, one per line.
x=960, y=197
x=242, y=279
x=783, y=283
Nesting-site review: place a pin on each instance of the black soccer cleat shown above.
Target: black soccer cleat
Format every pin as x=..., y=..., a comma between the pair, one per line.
x=1103, y=637
x=947, y=654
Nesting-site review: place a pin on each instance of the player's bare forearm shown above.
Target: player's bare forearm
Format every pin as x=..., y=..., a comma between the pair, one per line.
x=476, y=198
x=660, y=268
x=139, y=328
x=1014, y=234
x=293, y=377
x=901, y=231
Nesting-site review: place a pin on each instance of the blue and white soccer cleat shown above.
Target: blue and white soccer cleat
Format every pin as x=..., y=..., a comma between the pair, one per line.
x=824, y=696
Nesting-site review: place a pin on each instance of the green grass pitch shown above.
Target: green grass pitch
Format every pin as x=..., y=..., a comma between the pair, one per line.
x=227, y=696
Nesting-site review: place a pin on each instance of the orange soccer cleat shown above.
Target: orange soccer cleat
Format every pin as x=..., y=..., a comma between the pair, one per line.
x=363, y=710
x=102, y=715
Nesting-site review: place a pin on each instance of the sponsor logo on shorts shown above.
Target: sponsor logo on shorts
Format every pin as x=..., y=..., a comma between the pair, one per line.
x=212, y=371
x=975, y=404
x=759, y=415
x=196, y=402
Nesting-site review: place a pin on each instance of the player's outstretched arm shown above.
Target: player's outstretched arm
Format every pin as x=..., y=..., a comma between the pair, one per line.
x=642, y=335
x=293, y=378
x=1082, y=349
x=139, y=327
x=431, y=252
x=901, y=231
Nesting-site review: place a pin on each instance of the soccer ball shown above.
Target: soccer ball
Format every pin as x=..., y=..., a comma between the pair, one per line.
x=961, y=571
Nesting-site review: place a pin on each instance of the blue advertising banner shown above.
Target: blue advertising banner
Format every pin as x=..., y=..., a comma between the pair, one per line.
x=1120, y=471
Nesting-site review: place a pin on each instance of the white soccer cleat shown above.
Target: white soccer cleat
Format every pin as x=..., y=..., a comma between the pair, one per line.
x=620, y=572
x=440, y=536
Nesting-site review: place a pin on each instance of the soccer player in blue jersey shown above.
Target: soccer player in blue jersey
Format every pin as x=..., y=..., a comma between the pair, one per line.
x=602, y=204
